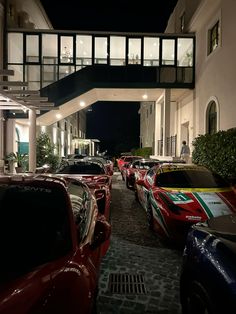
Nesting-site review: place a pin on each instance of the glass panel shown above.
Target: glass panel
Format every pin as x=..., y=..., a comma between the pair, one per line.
x=100, y=50
x=117, y=50
x=66, y=46
x=49, y=49
x=32, y=48
x=185, y=52
x=83, y=50
x=15, y=48
x=33, y=76
x=134, y=54
x=18, y=72
x=151, y=51
x=65, y=70
x=168, y=51
x=49, y=74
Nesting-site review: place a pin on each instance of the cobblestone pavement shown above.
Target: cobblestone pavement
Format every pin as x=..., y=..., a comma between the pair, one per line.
x=135, y=250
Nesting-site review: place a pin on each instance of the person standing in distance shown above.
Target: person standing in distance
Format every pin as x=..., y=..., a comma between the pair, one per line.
x=185, y=152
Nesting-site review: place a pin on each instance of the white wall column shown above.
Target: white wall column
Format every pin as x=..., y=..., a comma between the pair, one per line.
x=166, y=119
x=2, y=121
x=11, y=136
x=32, y=140
x=157, y=127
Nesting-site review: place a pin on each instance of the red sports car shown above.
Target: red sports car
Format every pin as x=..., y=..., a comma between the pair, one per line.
x=94, y=175
x=51, y=238
x=137, y=168
x=125, y=160
x=176, y=196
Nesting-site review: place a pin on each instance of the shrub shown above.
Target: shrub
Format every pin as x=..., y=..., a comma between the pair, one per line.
x=217, y=152
x=145, y=152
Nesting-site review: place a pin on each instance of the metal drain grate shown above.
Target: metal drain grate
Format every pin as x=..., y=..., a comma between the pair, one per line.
x=126, y=284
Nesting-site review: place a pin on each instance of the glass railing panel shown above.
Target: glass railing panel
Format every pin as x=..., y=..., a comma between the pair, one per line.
x=168, y=52
x=32, y=48
x=134, y=48
x=151, y=51
x=185, y=52
x=49, y=48
x=117, y=50
x=18, y=72
x=32, y=76
x=65, y=70
x=15, y=48
x=66, y=49
x=100, y=50
x=49, y=74
x=83, y=49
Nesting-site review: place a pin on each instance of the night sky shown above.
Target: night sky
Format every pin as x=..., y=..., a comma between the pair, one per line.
x=118, y=132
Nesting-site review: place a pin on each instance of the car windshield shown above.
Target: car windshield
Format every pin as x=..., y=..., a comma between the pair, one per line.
x=34, y=228
x=81, y=168
x=147, y=165
x=190, y=179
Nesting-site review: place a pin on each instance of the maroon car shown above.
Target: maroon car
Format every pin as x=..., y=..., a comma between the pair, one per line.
x=51, y=237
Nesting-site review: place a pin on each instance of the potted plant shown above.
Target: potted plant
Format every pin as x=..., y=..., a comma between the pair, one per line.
x=17, y=158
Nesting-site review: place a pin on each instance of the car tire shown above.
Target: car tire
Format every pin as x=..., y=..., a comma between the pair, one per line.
x=196, y=300
x=150, y=217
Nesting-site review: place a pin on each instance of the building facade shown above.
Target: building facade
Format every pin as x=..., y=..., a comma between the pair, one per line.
x=210, y=106
x=14, y=133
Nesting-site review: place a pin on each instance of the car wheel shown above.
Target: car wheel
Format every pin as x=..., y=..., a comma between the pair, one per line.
x=150, y=217
x=196, y=300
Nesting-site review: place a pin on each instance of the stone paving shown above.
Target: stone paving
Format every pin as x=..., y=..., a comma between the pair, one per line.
x=135, y=249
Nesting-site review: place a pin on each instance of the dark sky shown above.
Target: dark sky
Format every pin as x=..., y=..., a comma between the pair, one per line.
x=116, y=125
x=121, y=16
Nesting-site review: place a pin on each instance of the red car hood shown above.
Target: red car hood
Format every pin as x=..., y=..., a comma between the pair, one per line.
x=198, y=204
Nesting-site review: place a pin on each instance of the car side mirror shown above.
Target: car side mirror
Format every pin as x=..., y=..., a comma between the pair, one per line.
x=102, y=232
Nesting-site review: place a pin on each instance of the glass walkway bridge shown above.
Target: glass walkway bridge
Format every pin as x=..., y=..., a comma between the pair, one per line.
x=65, y=64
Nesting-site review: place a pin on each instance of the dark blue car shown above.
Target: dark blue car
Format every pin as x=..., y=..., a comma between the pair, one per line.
x=208, y=275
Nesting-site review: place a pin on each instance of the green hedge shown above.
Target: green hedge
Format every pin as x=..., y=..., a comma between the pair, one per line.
x=145, y=152
x=217, y=152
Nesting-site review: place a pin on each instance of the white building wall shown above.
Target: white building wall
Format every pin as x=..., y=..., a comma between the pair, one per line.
x=147, y=124
x=215, y=74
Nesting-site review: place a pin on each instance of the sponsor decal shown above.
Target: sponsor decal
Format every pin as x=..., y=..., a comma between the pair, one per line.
x=212, y=204
x=197, y=218
x=179, y=198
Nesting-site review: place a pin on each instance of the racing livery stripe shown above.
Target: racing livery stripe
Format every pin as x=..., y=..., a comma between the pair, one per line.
x=159, y=214
x=205, y=207
x=214, y=203
x=197, y=189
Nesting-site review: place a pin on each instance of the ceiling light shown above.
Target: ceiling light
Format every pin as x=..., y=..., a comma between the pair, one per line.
x=145, y=96
x=82, y=103
x=58, y=116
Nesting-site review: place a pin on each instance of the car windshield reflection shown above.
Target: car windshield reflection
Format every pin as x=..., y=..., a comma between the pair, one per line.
x=190, y=179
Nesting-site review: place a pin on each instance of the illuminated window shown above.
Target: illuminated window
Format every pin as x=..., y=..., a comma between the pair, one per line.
x=211, y=118
x=213, y=37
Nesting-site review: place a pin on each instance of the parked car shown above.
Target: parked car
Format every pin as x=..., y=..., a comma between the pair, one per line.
x=108, y=164
x=125, y=160
x=175, y=196
x=208, y=272
x=93, y=173
x=137, y=168
x=51, y=238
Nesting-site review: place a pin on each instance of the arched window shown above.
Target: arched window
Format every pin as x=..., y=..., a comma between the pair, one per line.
x=211, y=118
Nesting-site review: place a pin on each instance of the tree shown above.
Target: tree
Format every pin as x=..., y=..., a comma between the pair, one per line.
x=45, y=152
